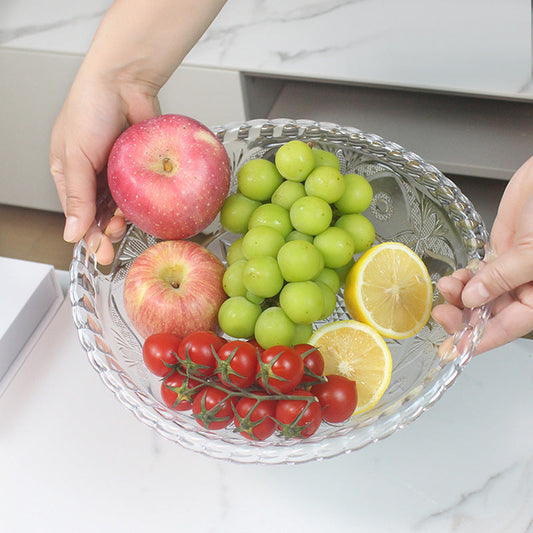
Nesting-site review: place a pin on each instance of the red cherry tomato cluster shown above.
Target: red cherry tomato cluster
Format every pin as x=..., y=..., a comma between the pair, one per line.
x=260, y=391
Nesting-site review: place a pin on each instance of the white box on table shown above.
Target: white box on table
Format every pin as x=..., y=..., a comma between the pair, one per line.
x=29, y=297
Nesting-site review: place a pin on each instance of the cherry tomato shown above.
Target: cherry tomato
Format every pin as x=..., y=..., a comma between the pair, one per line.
x=213, y=409
x=196, y=352
x=299, y=418
x=255, y=419
x=238, y=364
x=337, y=396
x=313, y=361
x=159, y=353
x=280, y=369
x=178, y=391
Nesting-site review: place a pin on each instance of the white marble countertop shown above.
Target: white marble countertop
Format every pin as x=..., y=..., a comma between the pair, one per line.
x=73, y=458
x=470, y=47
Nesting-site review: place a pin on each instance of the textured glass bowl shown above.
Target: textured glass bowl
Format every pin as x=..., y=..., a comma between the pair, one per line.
x=413, y=203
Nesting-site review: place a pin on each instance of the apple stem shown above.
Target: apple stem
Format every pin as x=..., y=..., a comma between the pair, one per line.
x=167, y=165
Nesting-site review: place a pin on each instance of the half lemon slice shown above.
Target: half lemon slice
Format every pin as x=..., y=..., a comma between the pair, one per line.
x=389, y=288
x=356, y=351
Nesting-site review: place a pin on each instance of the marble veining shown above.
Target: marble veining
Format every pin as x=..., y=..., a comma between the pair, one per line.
x=500, y=490
x=472, y=47
x=465, y=466
x=8, y=35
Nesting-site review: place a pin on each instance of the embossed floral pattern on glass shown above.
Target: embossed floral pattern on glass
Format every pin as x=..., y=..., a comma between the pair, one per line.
x=413, y=203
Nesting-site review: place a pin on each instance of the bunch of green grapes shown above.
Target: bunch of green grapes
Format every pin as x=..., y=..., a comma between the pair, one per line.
x=300, y=223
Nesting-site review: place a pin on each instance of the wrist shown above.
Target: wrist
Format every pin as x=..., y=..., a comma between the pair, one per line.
x=140, y=43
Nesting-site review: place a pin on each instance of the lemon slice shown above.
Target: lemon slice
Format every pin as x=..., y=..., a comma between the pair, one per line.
x=357, y=351
x=389, y=289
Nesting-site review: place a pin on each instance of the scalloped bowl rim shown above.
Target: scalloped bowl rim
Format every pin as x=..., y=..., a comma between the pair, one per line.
x=293, y=451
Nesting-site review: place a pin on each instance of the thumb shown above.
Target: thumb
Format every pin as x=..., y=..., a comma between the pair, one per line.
x=80, y=198
x=505, y=273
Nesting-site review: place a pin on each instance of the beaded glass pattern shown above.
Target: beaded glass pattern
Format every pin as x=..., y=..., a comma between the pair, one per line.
x=413, y=203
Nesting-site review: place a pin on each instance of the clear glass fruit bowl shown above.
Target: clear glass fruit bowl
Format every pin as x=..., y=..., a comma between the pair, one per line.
x=413, y=203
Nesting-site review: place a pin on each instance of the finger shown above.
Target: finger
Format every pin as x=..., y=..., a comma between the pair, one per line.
x=100, y=245
x=464, y=275
x=448, y=316
x=93, y=238
x=451, y=288
x=513, y=244
x=106, y=252
x=80, y=191
x=512, y=317
x=116, y=228
x=509, y=324
x=503, y=274
x=446, y=350
x=451, y=319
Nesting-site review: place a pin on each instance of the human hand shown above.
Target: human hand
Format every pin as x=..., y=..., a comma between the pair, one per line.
x=506, y=279
x=137, y=47
x=95, y=112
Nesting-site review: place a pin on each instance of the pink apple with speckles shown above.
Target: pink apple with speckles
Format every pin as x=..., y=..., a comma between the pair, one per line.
x=169, y=175
x=174, y=287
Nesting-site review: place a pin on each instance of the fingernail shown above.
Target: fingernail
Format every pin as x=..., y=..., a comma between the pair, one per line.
x=94, y=242
x=475, y=294
x=443, y=282
x=72, y=226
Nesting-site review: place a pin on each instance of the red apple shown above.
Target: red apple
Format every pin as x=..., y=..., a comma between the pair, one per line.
x=169, y=175
x=174, y=287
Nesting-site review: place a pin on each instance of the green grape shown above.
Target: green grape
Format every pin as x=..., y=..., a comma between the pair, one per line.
x=336, y=245
x=330, y=300
x=302, y=301
x=258, y=179
x=262, y=240
x=271, y=215
x=254, y=298
x=299, y=261
x=326, y=183
x=361, y=230
x=310, y=215
x=296, y=235
x=235, y=252
x=236, y=211
x=237, y=317
x=232, y=280
x=287, y=193
x=329, y=277
x=302, y=333
x=295, y=160
x=325, y=159
x=262, y=276
x=357, y=196
x=342, y=272
x=274, y=327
